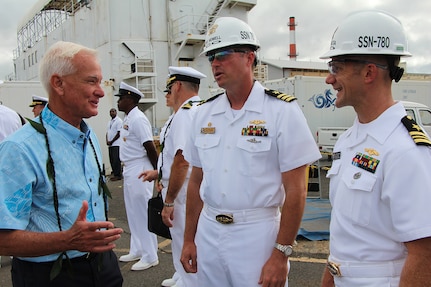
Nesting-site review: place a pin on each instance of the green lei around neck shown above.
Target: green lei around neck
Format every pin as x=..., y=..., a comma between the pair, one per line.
x=103, y=188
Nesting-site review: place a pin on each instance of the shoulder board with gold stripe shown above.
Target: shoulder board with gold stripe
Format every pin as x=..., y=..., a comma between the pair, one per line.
x=280, y=96
x=210, y=99
x=415, y=131
x=189, y=104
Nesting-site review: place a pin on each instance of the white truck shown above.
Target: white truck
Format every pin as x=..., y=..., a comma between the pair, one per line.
x=420, y=113
x=327, y=136
x=316, y=99
x=327, y=123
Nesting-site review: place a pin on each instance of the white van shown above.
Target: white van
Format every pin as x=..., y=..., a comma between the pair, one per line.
x=420, y=113
x=328, y=136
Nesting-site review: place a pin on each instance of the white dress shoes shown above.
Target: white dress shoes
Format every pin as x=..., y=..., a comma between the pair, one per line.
x=141, y=265
x=129, y=258
x=168, y=283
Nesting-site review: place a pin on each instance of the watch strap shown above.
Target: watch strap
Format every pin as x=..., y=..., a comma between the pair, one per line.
x=285, y=249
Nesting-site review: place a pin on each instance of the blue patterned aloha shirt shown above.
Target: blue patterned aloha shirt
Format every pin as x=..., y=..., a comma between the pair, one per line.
x=26, y=193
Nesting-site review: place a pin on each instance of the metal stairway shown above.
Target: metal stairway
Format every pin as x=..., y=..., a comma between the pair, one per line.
x=211, y=13
x=188, y=31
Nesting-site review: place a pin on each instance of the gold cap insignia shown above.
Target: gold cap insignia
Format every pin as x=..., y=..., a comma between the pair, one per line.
x=212, y=29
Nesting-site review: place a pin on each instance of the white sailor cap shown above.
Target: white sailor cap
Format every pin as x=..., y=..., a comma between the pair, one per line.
x=187, y=74
x=36, y=100
x=127, y=90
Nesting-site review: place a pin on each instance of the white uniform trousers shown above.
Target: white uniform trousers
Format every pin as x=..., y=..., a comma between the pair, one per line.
x=136, y=195
x=369, y=282
x=232, y=255
x=182, y=278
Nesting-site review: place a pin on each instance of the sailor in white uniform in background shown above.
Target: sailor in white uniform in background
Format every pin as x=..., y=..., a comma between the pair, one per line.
x=38, y=103
x=138, y=153
x=182, y=89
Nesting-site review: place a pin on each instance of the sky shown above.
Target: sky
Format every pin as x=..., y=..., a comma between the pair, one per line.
x=316, y=21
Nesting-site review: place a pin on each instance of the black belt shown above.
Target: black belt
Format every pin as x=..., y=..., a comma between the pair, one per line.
x=87, y=257
x=84, y=258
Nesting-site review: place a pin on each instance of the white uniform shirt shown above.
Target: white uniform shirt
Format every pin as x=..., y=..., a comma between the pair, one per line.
x=9, y=121
x=244, y=171
x=162, y=161
x=377, y=208
x=177, y=130
x=114, y=126
x=135, y=132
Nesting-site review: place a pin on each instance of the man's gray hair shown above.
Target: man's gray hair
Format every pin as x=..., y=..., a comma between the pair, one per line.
x=58, y=60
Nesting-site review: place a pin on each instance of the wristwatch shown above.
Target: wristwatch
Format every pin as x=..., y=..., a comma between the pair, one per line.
x=169, y=204
x=287, y=250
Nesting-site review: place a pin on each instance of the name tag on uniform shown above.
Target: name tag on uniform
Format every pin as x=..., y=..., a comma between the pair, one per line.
x=208, y=130
x=336, y=155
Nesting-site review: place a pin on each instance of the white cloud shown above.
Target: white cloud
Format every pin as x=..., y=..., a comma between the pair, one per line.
x=10, y=15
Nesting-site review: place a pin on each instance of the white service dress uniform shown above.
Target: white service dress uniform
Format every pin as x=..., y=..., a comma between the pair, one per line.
x=380, y=194
x=242, y=154
x=114, y=125
x=9, y=121
x=175, y=134
x=136, y=131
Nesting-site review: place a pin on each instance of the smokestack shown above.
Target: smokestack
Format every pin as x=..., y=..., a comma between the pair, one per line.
x=292, y=50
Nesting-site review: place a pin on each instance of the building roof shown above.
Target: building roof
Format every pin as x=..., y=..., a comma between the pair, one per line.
x=289, y=64
x=41, y=5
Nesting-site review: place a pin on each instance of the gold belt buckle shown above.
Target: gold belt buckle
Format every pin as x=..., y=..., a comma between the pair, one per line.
x=225, y=218
x=334, y=268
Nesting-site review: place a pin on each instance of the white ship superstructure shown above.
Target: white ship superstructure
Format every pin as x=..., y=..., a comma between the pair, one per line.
x=137, y=40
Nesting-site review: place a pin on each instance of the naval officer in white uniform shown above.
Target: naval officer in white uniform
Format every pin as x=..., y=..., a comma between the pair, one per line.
x=380, y=184
x=249, y=149
x=183, y=84
x=182, y=87
x=37, y=103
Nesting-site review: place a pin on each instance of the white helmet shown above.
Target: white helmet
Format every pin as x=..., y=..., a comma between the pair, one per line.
x=229, y=31
x=368, y=32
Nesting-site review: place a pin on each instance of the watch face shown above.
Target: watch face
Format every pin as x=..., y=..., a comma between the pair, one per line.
x=288, y=250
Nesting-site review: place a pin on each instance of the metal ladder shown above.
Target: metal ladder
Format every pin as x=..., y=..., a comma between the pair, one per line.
x=211, y=13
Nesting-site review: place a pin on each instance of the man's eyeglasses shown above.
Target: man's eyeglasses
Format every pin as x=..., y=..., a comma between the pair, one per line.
x=169, y=89
x=335, y=66
x=220, y=56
